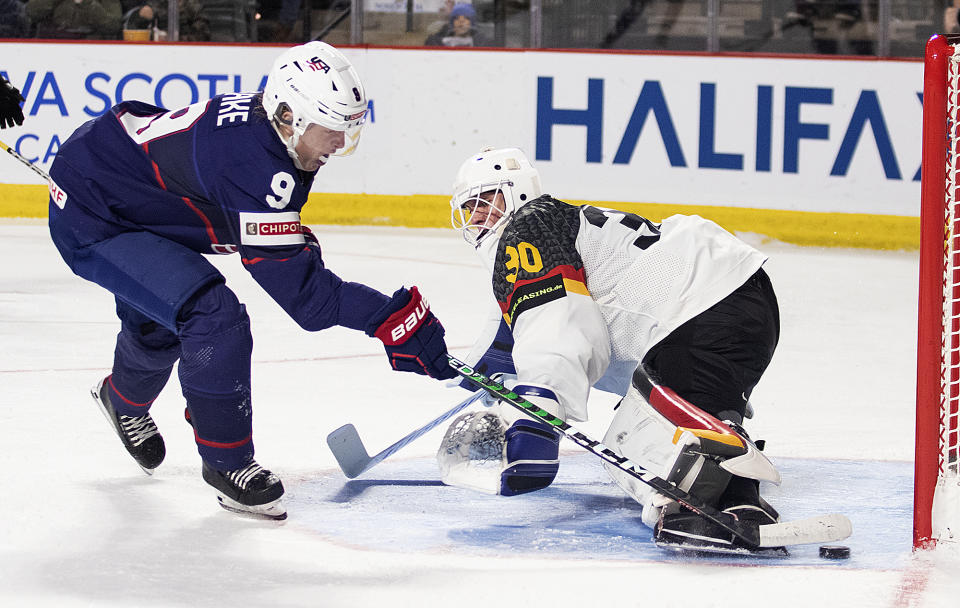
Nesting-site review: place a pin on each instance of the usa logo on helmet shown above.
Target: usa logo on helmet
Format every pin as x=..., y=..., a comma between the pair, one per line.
x=316, y=64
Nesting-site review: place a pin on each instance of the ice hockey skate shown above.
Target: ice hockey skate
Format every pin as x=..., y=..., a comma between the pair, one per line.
x=249, y=490
x=139, y=434
x=691, y=533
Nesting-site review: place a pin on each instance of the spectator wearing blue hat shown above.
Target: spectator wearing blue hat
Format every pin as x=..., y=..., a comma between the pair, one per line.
x=460, y=30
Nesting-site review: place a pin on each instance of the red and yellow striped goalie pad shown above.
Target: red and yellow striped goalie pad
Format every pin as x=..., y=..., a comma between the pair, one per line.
x=688, y=417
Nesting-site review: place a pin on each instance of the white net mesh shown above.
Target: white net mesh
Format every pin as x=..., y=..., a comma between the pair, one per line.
x=946, y=507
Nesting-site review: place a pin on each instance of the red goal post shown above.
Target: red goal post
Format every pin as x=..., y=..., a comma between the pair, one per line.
x=936, y=513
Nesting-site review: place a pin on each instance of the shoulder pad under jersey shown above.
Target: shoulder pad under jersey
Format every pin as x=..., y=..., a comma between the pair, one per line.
x=537, y=259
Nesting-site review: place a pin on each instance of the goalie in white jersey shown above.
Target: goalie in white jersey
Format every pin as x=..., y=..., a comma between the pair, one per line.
x=592, y=297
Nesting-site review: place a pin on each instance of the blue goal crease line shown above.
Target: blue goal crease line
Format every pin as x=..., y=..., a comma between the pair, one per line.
x=584, y=515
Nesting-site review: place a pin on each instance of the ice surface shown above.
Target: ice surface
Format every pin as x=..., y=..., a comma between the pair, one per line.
x=81, y=525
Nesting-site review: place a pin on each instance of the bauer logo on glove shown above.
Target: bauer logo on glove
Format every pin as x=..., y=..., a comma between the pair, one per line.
x=411, y=335
x=401, y=324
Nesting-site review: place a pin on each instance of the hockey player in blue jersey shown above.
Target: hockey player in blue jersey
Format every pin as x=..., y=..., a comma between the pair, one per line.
x=140, y=193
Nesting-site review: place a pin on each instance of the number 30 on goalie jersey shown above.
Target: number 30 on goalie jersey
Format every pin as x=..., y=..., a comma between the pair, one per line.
x=537, y=260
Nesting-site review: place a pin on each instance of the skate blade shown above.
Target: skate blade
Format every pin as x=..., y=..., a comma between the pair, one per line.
x=271, y=510
x=730, y=550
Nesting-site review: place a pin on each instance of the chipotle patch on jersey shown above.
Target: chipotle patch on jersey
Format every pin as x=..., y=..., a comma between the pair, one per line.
x=530, y=294
x=266, y=229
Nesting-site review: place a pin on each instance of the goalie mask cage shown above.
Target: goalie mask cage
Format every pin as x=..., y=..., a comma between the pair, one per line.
x=936, y=508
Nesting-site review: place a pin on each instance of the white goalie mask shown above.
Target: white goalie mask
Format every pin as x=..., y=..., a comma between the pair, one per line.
x=318, y=85
x=490, y=186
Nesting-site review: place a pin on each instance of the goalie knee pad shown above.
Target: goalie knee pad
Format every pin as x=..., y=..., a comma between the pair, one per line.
x=480, y=452
x=677, y=441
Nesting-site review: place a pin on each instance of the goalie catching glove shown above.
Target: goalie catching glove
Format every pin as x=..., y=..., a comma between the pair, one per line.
x=502, y=451
x=411, y=335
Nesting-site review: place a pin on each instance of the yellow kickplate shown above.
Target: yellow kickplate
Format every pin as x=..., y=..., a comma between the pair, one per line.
x=726, y=438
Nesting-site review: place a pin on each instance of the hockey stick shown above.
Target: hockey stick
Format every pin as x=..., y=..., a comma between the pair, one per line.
x=352, y=457
x=23, y=160
x=825, y=528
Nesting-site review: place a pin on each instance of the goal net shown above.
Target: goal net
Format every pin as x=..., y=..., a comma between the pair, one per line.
x=937, y=479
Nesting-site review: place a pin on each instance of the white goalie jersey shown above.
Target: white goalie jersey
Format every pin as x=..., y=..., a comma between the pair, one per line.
x=587, y=292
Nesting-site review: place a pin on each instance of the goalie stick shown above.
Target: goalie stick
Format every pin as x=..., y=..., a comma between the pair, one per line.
x=352, y=457
x=24, y=160
x=818, y=529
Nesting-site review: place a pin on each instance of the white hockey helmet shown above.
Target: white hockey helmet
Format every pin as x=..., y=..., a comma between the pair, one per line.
x=489, y=171
x=318, y=85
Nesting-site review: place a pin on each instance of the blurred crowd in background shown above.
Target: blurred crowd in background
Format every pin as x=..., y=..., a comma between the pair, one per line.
x=884, y=28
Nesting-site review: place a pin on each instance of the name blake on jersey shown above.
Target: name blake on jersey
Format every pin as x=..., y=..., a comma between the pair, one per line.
x=234, y=108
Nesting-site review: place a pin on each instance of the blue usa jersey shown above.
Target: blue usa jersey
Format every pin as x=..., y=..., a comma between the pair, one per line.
x=213, y=176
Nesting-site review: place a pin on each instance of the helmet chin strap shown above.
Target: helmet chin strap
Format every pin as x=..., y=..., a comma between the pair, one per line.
x=290, y=142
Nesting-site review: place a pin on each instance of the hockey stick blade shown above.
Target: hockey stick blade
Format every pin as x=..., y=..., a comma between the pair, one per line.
x=774, y=538
x=818, y=529
x=348, y=449
x=748, y=533
x=351, y=455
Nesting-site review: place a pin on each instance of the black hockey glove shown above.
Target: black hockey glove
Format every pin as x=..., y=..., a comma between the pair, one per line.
x=10, y=112
x=411, y=335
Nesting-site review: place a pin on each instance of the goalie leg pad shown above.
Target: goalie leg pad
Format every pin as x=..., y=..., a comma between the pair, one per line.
x=532, y=457
x=680, y=443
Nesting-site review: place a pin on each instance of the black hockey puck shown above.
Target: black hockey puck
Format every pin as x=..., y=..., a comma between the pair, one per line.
x=834, y=552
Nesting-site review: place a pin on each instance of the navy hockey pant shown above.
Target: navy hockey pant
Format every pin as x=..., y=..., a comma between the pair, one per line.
x=715, y=359
x=172, y=304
